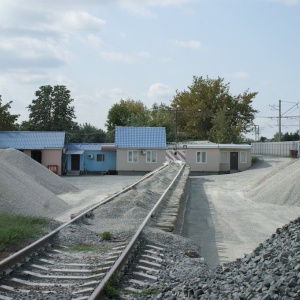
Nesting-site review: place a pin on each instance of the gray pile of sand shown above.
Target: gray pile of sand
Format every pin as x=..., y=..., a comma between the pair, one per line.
x=280, y=186
x=27, y=187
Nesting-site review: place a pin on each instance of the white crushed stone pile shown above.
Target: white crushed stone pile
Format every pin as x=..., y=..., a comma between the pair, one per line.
x=27, y=187
x=280, y=186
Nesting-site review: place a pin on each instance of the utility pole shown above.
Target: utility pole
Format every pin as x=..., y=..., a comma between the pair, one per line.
x=256, y=132
x=279, y=121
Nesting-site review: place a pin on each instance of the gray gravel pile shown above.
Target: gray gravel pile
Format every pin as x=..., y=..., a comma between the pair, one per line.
x=280, y=186
x=271, y=271
x=27, y=187
x=127, y=211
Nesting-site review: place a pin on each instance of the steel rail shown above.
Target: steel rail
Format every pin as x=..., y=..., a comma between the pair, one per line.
x=21, y=254
x=121, y=261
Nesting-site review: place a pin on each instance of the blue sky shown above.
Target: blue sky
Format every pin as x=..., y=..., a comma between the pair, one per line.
x=108, y=50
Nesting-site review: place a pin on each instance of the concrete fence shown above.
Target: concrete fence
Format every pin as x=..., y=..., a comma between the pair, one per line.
x=274, y=148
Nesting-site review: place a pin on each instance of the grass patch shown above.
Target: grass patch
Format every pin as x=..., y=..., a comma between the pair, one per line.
x=18, y=229
x=87, y=248
x=111, y=287
x=106, y=236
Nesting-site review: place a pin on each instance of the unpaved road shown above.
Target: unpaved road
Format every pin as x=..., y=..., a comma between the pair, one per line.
x=224, y=221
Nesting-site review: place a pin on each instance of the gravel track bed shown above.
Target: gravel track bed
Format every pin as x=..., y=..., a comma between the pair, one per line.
x=270, y=271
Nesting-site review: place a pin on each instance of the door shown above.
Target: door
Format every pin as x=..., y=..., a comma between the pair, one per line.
x=37, y=155
x=234, y=160
x=75, y=162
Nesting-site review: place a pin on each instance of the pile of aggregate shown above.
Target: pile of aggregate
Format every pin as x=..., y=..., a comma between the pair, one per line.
x=125, y=214
x=280, y=186
x=271, y=271
x=27, y=187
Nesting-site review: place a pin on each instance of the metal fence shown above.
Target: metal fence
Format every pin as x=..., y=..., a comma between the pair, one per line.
x=275, y=148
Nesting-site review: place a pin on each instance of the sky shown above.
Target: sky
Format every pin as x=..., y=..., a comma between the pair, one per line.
x=107, y=50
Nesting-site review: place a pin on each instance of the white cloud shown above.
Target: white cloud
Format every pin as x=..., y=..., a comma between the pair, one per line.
x=159, y=91
x=142, y=8
x=240, y=75
x=117, y=56
x=192, y=44
x=144, y=54
x=94, y=40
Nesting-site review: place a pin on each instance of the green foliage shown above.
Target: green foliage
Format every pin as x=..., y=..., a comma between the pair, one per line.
x=106, y=236
x=17, y=229
x=286, y=136
x=51, y=110
x=209, y=112
x=127, y=113
x=86, y=133
x=87, y=248
x=111, y=287
x=7, y=120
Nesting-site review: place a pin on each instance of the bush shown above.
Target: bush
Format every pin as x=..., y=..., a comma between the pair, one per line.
x=106, y=236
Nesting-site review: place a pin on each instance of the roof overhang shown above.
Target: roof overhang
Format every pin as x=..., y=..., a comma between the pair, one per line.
x=74, y=152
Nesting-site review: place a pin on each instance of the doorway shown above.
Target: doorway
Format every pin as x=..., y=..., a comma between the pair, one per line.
x=75, y=162
x=36, y=155
x=234, y=160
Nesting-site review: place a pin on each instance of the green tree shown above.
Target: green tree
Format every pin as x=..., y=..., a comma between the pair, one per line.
x=209, y=112
x=292, y=136
x=127, y=113
x=51, y=110
x=86, y=133
x=7, y=120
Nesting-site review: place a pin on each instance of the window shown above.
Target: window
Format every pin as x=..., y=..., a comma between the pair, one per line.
x=132, y=156
x=151, y=156
x=243, y=157
x=100, y=157
x=224, y=157
x=201, y=157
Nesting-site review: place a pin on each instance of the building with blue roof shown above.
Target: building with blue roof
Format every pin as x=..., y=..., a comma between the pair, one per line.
x=46, y=147
x=140, y=149
x=90, y=158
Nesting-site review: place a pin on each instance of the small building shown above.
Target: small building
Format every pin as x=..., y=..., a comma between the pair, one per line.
x=90, y=158
x=207, y=157
x=140, y=149
x=46, y=147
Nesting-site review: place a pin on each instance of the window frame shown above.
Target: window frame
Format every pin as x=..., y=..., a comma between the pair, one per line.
x=201, y=162
x=243, y=161
x=133, y=152
x=100, y=155
x=225, y=161
x=150, y=154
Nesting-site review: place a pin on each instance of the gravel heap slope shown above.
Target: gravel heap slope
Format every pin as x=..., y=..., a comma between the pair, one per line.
x=27, y=187
x=280, y=186
x=271, y=271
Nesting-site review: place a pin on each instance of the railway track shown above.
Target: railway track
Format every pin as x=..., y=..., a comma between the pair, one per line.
x=76, y=262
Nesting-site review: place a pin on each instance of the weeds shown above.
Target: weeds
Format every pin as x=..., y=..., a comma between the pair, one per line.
x=110, y=288
x=17, y=229
x=106, y=236
x=87, y=248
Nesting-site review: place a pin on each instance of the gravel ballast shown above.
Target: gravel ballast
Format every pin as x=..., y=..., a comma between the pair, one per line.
x=270, y=270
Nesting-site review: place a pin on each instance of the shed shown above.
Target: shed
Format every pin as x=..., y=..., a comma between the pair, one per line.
x=208, y=157
x=46, y=147
x=90, y=158
x=140, y=149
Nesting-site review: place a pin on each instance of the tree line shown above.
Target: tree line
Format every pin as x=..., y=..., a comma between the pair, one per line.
x=205, y=110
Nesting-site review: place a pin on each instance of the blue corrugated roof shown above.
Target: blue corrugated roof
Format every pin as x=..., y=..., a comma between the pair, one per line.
x=140, y=137
x=32, y=139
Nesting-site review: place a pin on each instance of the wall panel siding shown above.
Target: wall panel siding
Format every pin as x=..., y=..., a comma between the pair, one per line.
x=141, y=165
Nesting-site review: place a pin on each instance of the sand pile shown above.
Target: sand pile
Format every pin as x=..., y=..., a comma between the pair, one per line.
x=280, y=186
x=27, y=187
